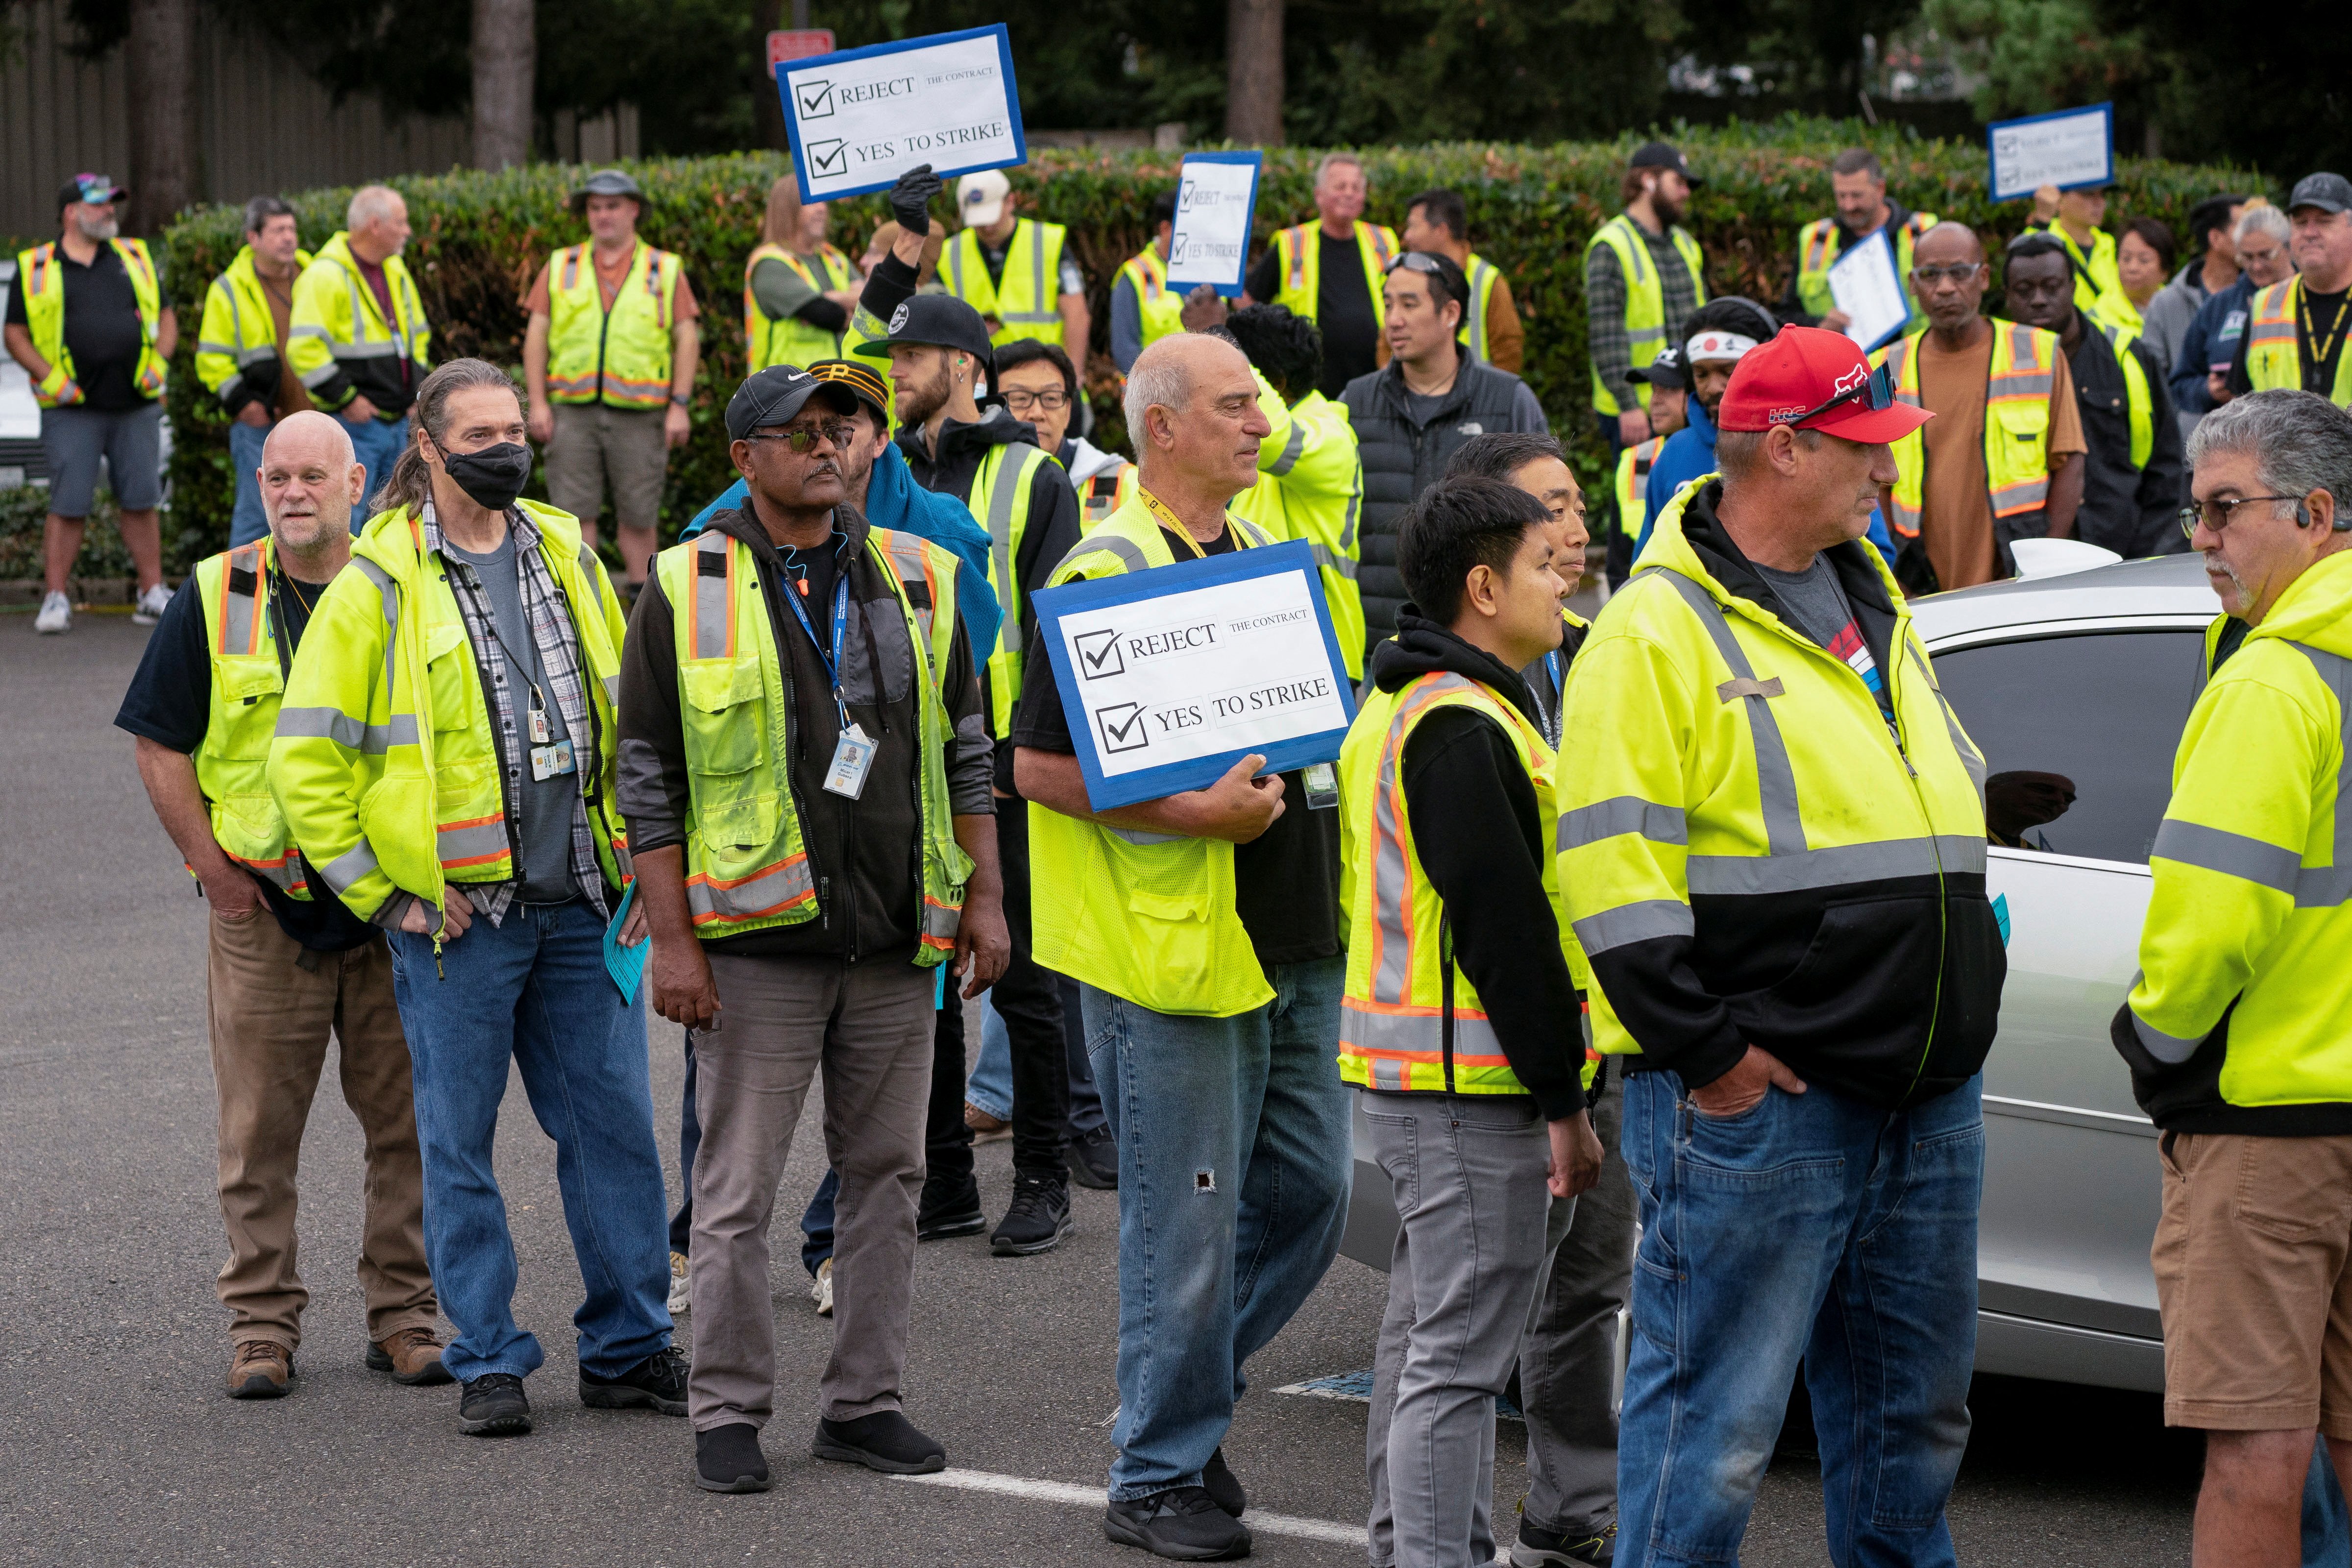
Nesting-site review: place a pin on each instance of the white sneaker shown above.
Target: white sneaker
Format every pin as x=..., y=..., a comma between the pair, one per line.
x=821, y=1289
x=57, y=615
x=152, y=606
x=680, y=1297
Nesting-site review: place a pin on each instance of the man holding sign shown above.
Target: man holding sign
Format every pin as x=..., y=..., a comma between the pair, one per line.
x=1858, y=186
x=1202, y=928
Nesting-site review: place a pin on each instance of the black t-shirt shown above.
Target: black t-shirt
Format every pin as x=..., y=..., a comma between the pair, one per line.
x=1343, y=309
x=2322, y=320
x=102, y=332
x=169, y=703
x=1286, y=880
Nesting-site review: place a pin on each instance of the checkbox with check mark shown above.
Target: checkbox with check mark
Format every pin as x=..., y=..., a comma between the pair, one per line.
x=1099, y=655
x=828, y=157
x=816, y=98
x=1122, y=727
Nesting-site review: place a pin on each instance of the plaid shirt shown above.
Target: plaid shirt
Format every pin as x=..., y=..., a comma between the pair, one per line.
x=1605, y=308
x=558, y=645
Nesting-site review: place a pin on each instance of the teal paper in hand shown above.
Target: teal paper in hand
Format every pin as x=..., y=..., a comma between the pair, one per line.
x=626, y=965
x=2001, y=915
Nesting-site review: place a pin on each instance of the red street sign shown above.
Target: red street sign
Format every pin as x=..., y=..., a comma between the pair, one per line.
x=798, y=45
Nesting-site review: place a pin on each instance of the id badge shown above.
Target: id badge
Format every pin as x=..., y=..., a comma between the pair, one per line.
x=852, y=758
x=548, y=762
x=1322, y=786
x=542, y=730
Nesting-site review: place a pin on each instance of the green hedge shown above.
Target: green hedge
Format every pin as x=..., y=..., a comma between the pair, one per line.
x=480, y=237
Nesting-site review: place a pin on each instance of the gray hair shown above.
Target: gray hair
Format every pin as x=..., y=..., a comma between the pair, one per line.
x=1153, y=378
x=261, y=210
x=369, y=203
x=1323, y=167
x=1738, y=453
x=2264, y=219
x=2299, y=442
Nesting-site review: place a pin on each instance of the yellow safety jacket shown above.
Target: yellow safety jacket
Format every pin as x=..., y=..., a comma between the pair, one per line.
x=2017, y=423
x=339, y=327
x=1162, y=312
x=2098, y=284
x=2139, y=401
x=1310, y=486
x=1632, y=484
x=238, y=333
x=1105, y=493
x=2238, y=1019
x=1645, y=296
x=384, y=763
x=792, y=340
x=1000, y=501
x=232, y=761
x=42, y=278
x=1409, y=1020
x=1298, y=262
x=1027, y=304
x=1817, y=248
x=620, y=358
x=1146, y=916
x=2274, y=354
x=746, y=861
x=1483, y=274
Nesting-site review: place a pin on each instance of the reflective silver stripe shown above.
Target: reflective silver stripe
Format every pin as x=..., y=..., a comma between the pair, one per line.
x=1776, y=779
x=306, y=331
x=714, y=613
x=475, y=841
x=1391, y=880
x=1971, y=758
x=1331, y=559
x=2164, y=1047
x=955, y=265
x=1628, y=924
x=1621, y=815
x=206, y=346
x=1002, y=486
x=905, y=555
x=2326, y=887
x=1421, y=1034
x=377, y=349
x=391, y=596
x=351, y=734
x=1256, y=537
x=1140, y=837
x=762, y=894
x=236, y=617
x=1835, y=865
x=1478, y=277
x=1387, y=1075
x=2229, y=853
x=941, y=921
x=1347, y=529
x=1130, y=554
x=315, y=379
x=1290, y=450
x=344, y=872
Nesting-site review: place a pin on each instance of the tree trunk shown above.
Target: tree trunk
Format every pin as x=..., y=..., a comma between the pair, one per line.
x=506, y=50
x=159, y=58
x=1254, y=74
x=767, y=102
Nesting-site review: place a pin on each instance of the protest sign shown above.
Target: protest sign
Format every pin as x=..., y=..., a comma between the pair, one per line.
x=1173, y=675
x=858, y=119
x=2071, y=148
x=1215, y=195
x=1866, y=286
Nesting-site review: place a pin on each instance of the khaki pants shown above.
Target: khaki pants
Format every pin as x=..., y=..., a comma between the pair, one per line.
x=870, y=1027
x=270, y=1019
x=593, y=444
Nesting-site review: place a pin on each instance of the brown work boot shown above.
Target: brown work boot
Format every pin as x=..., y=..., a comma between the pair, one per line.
x=262, y=1370
x=413, y=1356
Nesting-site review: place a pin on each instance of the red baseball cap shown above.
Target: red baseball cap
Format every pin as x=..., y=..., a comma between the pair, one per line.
x=1816, y=380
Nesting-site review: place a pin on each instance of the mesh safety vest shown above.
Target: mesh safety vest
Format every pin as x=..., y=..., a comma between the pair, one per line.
x=2017, y=423
x=1027, y=304
x=1299, y=261
x=1162, y=312
x=1105, y=493
x=1645, y=297
x=792, y=340
x=999, y=500
x=2139, y=402
x=619, y=357
x=1634, y=466
x=237, y=331
x=1817, y=248
x=1483, y=274
x=2274, y=353
x=232, y=761
x=42, y=278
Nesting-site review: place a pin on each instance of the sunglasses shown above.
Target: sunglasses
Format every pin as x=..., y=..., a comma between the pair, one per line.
x=1877, y=391
x=2215, y=514
x=1929, y=276
x=840, y=433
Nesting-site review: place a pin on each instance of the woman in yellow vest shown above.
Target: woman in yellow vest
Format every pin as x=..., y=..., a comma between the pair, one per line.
x=799, y=291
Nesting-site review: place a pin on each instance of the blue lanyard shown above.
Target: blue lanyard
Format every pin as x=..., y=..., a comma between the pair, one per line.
x=840, y=626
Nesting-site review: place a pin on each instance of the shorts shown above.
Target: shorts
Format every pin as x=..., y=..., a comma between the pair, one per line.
x=592, y=444
x=131, y=442
x=2250, y=1260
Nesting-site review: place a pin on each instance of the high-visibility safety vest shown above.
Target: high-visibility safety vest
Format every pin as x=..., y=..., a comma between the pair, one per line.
x=998, y=501
x=41, y=276
x=1146, y=916
x=232, y=760
x=1409, y=1020
x=1310, y=486
x=621, y=357
x=2017, y=423
x=1483, y=274
x=2098, y=282
x=336, y=317
x=238, y=330
x=1633, y=487
x=1645, y=296
x=384, y=763
x=2273, y=353
x=746, y=857
x=2241, y=1000
x=792, y=340
x=1027, y=304
x=1101, y=494
x=1162, y=312
x=2139, y=402
x=1817, y=248
x=1298, y=266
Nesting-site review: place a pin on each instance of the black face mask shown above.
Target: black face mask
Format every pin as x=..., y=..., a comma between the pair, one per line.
x=492, y=477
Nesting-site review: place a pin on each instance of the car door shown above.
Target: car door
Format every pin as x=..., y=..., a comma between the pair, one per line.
x=2078, y=723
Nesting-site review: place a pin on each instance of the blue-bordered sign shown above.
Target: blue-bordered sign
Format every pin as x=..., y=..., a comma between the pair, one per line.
x=1173, y=675
x=1210, y=243
x=858, y=119
x=2072, y=149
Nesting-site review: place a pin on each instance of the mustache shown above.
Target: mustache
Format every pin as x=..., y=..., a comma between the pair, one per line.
x=2214, y=563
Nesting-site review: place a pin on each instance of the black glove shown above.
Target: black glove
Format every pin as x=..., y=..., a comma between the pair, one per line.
x=910, y=198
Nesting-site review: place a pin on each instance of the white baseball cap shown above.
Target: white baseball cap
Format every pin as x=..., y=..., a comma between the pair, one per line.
x=980, y=198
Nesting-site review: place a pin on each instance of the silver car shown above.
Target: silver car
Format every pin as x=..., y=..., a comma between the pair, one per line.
x=2075, y=688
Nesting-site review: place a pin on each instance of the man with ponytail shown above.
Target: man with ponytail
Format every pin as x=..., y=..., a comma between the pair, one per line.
x=445, y=756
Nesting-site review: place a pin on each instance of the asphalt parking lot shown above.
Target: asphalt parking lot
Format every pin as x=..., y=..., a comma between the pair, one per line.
x=117, y=1446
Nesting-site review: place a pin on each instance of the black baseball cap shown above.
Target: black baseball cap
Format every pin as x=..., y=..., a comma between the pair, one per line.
x=1665, y=371
x=99, y=189
x=862, y=380
x=2328, y=192
x=1662, y=155
x=775, y=394
x=937, y=320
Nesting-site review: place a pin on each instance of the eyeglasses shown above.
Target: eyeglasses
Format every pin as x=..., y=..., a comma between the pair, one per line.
x=1877, y=390
x=839, y=432
x=1052, y=400
x=2215, y=514
x=1929, y=276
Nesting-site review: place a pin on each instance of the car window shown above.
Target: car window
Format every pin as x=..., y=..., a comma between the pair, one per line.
x=2078, y=735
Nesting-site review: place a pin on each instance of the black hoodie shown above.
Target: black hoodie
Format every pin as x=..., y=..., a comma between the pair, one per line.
x=1463, y=779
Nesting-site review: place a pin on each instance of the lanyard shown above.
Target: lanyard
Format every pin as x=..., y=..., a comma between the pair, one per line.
x=1553, y=720
x=840, y=627
x=1173, y=524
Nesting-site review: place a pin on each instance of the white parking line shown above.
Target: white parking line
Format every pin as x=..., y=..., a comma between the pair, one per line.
x=1093, y=1497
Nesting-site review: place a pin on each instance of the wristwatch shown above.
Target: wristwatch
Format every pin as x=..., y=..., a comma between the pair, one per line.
x=680, y=398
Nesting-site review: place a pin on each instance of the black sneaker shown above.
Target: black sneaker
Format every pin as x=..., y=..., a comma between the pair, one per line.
x=1539, y=1548
x=885, y=1441
x=728, y=1460
x=949, y=1206
x=1039, y=1217
x=1224, y=1489
x=1094, y=1160
x=657, y=1383
x=1183, y=1523
x=493, y=1405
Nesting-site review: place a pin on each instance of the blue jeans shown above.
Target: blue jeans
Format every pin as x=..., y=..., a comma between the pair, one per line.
x=2326, y=1530
x=1811, y=1228
x=1234, y=1165
x=533, y=991
x=379, y=446
x=990, y=1085
x=248, y=521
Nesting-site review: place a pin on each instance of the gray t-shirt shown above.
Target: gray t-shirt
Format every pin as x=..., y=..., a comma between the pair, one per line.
x=544, y=872
x=1814, y=599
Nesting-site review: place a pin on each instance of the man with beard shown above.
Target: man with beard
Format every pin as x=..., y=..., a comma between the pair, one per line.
x=1642, y=278
x=1719, y=335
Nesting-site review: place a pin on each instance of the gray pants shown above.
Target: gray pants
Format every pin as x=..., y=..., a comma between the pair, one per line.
x=870, y=1027
x=1474, y=1224
x=1567, y=1366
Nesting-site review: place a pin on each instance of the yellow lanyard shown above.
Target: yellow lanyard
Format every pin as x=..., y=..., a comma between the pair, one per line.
x=1170, y=522
x=2320, y=347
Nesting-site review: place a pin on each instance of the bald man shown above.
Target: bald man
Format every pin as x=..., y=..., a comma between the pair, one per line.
x=1953, y=517
x=287, y=964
